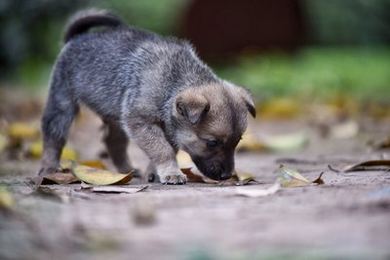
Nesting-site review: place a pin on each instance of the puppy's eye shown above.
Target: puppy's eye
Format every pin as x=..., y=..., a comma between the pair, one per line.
x=212, y=143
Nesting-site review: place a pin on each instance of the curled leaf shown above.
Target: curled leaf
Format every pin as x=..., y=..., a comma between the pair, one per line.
x=374, y=165
x=197, y=177
x=319, y=179
x=291, y=178
x=99, y=177
x=238, y=178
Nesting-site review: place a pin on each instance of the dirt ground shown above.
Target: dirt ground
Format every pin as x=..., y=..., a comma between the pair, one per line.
x=346, y=218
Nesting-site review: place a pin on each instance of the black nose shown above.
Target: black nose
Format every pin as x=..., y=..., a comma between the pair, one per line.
x=225, y=176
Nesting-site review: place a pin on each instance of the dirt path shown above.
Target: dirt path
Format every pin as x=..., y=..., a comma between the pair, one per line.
x=348, y=217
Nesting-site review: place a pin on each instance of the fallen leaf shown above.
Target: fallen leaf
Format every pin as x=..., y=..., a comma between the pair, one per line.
x=242, y=178
x=35, y=151
x=6, y=200
x=94, y=164
x=22, y=131
x=374, y=165
x=319, y=180
x=255, y=193
x=116, y=189
x=184, y=160
x=59, y=178
x=193, y=177
x=99, y=177
x=289, y=178
x=238, y=178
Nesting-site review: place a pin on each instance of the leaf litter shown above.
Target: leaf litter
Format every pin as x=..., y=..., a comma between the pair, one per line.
x=287, y=178
x=238, y=178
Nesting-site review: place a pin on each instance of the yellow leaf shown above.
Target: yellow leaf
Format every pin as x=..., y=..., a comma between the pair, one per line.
x=183, y=159
x=35, y=151
x=100, y=177
x=289, y=178
x=22, y=131
x=94, y=164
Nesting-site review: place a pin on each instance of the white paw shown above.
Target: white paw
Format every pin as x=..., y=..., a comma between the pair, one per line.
x=177, y=178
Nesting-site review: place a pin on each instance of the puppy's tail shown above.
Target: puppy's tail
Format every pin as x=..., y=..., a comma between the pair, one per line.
x=82, y=21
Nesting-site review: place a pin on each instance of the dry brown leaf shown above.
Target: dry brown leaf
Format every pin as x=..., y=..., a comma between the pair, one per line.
x=100, y=177
x=319, y=179
x=374, y=165
x=238, y=178
x=59, y=178
x=255, y=193
x=193, y=177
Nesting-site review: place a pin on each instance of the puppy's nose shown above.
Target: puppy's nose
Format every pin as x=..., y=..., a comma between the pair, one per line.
x=225, y=176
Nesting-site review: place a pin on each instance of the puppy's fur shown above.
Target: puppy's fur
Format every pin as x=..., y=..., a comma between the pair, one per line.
x=151, y=89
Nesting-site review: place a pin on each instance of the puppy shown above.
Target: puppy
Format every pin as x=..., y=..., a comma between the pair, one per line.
x=151, y=89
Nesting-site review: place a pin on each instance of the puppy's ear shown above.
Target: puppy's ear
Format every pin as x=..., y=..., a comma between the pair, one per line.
x=192, y=106
x=245, y=95
x=248, y=99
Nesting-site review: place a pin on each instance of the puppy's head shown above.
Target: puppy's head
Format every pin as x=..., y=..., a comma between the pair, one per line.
x=209, y=121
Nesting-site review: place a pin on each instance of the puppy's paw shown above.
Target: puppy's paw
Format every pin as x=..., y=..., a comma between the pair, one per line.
x=177, y=178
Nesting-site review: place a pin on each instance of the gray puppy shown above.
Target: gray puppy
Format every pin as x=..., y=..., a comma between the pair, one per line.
x=151, y=89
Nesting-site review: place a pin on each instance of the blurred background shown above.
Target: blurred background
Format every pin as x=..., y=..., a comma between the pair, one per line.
x=328, y=51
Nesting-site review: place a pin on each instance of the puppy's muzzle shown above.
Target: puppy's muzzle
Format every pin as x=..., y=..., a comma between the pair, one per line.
x=215, y=170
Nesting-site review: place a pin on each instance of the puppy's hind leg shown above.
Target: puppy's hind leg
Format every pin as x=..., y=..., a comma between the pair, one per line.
x=59, y=113
x=116, y=142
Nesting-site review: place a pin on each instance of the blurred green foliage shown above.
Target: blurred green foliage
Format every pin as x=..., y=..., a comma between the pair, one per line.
x=315, y=72
x=31, y=34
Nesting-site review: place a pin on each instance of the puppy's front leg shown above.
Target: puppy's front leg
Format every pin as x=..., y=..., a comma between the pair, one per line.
x=151, y=138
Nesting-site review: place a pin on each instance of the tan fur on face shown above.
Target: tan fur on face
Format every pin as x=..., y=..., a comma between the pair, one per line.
x=226, y=119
